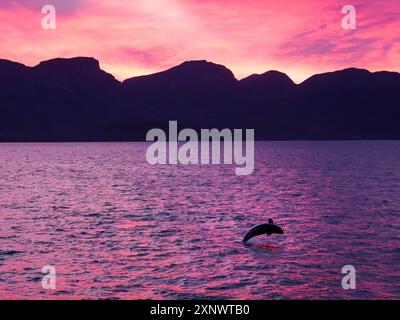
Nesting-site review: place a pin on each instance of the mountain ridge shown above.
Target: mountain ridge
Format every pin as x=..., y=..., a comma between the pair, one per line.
x=73, y=99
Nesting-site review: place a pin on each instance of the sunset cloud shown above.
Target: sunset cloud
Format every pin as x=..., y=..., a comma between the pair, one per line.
x=144, y=36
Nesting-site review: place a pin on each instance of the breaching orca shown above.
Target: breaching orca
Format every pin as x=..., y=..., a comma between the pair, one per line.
x=266, y=228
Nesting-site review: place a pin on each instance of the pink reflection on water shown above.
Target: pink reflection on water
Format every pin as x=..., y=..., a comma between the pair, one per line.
x=115, y=227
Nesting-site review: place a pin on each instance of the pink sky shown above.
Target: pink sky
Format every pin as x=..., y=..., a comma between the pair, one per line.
x=134, y=37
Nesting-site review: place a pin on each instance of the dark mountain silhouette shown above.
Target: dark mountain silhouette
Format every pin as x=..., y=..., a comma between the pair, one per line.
x=197, y=93
x=74, y=100
x=275, y=81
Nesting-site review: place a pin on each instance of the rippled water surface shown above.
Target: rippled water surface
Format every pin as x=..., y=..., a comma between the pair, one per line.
x=115, y=227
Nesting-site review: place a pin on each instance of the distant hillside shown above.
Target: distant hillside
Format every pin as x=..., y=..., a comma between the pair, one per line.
x=74, y=100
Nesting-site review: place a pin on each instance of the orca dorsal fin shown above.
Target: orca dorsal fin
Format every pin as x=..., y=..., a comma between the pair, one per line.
x=270, y=221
